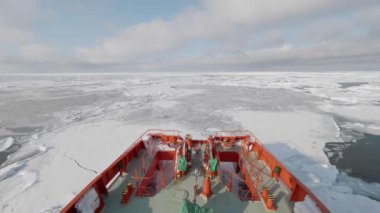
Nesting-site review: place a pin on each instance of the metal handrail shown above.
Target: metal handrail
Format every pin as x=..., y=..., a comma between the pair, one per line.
x=233, y=180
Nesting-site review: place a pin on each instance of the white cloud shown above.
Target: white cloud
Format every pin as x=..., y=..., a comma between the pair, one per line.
x=220, y=20
x=15, y=18
x=216, y=34
x=10, y=34
x=35, y=52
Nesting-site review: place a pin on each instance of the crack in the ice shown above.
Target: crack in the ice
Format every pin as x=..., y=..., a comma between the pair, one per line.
x=85, y=168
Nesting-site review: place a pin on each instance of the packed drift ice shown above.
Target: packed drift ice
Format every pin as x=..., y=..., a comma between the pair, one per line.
x=78, y=125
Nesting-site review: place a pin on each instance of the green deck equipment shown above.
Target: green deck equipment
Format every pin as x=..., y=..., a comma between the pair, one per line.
x=213, y=164
x=277, y=170
x=182, y=164
x=188, y=207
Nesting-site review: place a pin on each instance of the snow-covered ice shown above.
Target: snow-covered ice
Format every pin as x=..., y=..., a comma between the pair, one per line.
x=69, y=128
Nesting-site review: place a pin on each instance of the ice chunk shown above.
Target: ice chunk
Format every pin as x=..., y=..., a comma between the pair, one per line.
x=25, y=153
x=6, y=143
x=10, y=170
x=14, y=186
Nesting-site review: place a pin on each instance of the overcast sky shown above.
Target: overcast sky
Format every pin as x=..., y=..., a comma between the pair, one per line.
x=188, y=35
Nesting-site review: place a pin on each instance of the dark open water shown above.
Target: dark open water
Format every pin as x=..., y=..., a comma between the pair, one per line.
x=359, y=159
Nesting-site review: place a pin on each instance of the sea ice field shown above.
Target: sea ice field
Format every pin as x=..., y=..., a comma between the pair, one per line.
x=57, y=132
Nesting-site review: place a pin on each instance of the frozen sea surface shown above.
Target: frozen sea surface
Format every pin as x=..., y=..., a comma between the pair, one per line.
x=54, y=125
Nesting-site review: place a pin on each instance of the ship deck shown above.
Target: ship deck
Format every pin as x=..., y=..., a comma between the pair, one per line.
x=165, y=199
x=245, y=177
